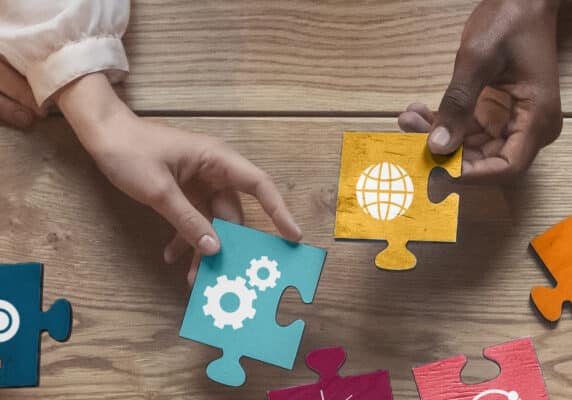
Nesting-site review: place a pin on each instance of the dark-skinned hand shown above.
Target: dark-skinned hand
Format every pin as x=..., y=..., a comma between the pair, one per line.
x=503, y=102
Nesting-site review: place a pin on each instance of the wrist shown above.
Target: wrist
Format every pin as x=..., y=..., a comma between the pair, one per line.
x=92, y=108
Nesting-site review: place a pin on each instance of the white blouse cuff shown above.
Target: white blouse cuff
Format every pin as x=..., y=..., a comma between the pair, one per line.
x=76, y=59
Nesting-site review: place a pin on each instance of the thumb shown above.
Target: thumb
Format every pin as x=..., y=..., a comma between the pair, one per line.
x=193, y=226
x=455, y=118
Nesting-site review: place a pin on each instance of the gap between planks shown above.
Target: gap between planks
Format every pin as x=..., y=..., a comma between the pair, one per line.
x=268, y=114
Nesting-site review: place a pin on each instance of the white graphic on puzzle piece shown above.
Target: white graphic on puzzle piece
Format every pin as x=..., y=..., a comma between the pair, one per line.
x=509, y=395
x=214, y=295
x=324, y=398
x=253, y=273
x=384, y=191
x=9, y=321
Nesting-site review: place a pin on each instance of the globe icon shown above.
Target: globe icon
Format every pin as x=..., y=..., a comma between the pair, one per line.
x=384, y=191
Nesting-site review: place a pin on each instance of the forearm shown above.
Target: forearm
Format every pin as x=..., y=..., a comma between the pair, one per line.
x=90, y=105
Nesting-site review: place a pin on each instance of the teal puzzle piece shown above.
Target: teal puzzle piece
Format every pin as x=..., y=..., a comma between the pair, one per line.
x=236, y=294
x=22, y=322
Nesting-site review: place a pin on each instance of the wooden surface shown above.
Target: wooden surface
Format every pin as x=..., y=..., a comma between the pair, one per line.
x=357, y=56
x=103, y=253
x=336, y=59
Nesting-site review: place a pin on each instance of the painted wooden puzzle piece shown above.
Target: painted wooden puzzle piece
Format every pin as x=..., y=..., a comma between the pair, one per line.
x=236, y=294
x=382, y=194
x=327, y=362
x=554, y=248
x=520, y=377
x=22, y=322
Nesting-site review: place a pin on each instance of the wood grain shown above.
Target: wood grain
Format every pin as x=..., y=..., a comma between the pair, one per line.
x=103, y=253
x=298, y=56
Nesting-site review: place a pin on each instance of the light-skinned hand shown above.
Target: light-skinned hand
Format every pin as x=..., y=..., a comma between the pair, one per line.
x=187, y=178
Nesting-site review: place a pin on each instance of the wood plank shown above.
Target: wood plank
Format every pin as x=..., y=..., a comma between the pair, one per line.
x=103, y=253
x=324, y=56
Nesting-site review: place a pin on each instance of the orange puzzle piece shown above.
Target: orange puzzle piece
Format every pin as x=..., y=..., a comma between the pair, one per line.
x=554, y=247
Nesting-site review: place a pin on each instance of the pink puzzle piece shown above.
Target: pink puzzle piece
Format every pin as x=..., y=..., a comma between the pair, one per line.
x=520, y=377
x=327, y=362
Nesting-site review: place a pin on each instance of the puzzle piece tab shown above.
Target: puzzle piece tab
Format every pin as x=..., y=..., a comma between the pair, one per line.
x=236, y=294
x=382, y=194
x=22, y=322
x=520, y=377
x=327, y=362
x=554, y=247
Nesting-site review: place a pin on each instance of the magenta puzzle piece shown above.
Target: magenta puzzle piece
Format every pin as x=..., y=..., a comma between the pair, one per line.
x=327, y=362
x=520, y=377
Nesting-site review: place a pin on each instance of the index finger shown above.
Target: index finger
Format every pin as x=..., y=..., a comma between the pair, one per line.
x=246, y=177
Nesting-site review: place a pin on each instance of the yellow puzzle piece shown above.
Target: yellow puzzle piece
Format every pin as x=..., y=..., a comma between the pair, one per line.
x=382, y=194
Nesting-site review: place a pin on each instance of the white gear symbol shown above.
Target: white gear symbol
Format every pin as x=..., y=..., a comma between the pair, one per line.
x=273, y=274
x=214, y=296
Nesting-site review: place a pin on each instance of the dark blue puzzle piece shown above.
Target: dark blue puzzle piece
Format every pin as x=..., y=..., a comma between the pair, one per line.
x=22, y=322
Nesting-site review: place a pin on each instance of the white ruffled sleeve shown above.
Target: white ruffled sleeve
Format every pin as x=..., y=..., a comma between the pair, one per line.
x=53, y=42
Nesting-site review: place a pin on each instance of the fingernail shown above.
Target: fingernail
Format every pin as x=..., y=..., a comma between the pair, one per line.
x=22, y=118
x=168, y=256
x=207, y=245
x=296, y=228
x=441, y=136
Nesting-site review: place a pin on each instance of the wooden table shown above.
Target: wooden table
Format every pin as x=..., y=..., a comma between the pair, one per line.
x=280, y=81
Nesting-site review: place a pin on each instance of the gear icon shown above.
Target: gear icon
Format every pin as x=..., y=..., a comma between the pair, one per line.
x=273, y=274
x=214, y=296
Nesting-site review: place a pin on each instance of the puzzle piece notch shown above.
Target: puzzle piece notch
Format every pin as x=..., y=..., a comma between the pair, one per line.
x=21, y=295
x=396, y=168
x=326, y=362
x=396, y=257
x=57, y=321
x=520, y=376
x=227, y=369
x=331, y=386
x=554, y=250
x=261, y=337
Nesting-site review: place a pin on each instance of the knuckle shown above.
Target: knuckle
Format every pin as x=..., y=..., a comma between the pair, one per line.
x=217, y=141
x=471, y=51
x=477, y=48
x=209, y=157
x=264, y=181
x=158, y=193
x=190, y=220
x=457, y=98
x=265, y=177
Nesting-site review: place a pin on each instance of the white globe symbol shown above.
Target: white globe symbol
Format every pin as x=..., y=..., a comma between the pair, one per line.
x=384, y=191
